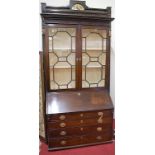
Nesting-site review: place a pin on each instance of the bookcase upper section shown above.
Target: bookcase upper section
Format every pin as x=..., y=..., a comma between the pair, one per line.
x=76, y=42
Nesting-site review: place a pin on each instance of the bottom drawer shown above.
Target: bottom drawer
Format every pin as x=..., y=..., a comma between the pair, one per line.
x=78, y=140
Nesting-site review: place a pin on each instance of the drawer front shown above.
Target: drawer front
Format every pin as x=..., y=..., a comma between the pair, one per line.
x=80, y=115
x=79, y=140
x=82, y=122
x=75, y=131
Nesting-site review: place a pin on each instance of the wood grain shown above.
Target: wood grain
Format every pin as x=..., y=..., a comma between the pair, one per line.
x=66, y=102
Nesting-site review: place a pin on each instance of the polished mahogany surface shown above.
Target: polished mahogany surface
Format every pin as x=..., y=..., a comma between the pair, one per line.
x=77, y=101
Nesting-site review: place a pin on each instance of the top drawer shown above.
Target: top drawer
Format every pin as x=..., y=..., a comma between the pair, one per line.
x=80, y=115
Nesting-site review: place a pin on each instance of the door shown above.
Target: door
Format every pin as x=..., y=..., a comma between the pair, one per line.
x=77, y=57
x=61, y=57
x=95, y=57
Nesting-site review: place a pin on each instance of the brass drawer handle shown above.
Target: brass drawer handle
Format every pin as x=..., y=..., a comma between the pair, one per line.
x=99, y=137
x=62, y=125
x=62, y=117
x=63, y=142
x=81, y=115
x=100, y=120
x=100, y=113
x=99, y=129
x=62, y=133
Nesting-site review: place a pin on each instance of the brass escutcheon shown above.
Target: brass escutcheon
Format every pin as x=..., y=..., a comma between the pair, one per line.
x=62, y=125
x=63, y=142
x=62, y=117
x=99, y=137
x=99, y=129
x=62, y=133
x=81, y=129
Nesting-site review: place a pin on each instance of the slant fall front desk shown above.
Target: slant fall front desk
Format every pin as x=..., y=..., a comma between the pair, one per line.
x=77, y=109
x=79, y=118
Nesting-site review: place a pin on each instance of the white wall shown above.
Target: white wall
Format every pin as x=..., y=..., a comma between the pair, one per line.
x=95, y=4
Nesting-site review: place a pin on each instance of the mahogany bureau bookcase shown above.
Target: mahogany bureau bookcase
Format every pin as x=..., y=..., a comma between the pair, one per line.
x=76, y=62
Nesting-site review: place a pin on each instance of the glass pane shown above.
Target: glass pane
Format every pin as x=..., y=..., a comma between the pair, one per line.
x=93, y=75
x=62, y=41
x=93, y=57
x=62, y=58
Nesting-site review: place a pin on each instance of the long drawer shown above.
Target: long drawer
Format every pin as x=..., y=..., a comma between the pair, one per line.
x=82, y=122
x=79, y=140
x=80, y=115
x=72, y=131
